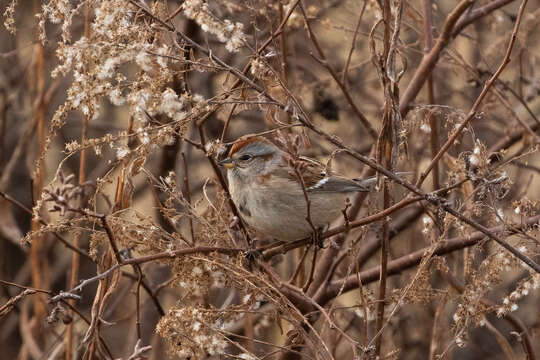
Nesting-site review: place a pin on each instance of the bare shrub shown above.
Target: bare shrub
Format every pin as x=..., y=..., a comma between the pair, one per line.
x=118, y=234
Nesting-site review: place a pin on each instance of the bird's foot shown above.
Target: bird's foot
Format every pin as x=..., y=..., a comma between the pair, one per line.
x=317, y=237
x=251, y=255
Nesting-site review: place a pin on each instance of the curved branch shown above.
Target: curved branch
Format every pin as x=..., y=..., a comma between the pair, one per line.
x=430, y=59
x=410, y=260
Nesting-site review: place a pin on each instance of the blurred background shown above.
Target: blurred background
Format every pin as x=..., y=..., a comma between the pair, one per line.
x=101, y=90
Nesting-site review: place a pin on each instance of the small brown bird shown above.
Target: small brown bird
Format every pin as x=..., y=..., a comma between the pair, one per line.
x=269, y=195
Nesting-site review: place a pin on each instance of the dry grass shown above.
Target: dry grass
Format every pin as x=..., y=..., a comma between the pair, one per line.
x=117, y=234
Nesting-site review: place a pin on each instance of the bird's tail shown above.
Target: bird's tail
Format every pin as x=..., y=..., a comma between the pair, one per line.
x=368, y=184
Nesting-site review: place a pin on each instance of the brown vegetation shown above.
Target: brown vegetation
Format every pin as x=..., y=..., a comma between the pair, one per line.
x=118, y=238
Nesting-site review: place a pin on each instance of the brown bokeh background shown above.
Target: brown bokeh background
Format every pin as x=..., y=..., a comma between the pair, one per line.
x=425, y=324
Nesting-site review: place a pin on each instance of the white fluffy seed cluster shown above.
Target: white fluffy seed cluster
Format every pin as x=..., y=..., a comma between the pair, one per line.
x=227, y=32
x=510, y=302
x=471, y=311
x=97, y=63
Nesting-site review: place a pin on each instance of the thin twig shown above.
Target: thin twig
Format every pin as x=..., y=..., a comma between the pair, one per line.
x=337, y=142
x=188, y=195
x=478, y=13
x=283, y=248
x=138, y=301
x=60, y=238
x=432, y=117
x=345, y=73
x=324, y=62
x=478, y=102
x=521, y=329
x=430, y=59
x=149, y=258
x=412, y=259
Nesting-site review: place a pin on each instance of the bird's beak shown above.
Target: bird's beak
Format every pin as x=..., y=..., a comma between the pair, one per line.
x=228, y=163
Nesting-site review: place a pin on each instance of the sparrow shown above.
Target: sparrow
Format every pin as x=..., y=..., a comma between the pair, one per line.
x=270, y=197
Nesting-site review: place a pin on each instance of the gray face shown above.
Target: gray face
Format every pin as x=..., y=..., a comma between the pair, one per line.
x=252, y=160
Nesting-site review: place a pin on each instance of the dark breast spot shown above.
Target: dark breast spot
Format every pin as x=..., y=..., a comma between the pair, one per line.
x=242, y=206
x=244, y=210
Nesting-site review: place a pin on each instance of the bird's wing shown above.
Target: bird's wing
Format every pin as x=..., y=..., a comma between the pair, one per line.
x=338, y=184
x=316, y=178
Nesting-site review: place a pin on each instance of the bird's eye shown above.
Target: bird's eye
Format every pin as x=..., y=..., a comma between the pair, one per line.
x=245, y=157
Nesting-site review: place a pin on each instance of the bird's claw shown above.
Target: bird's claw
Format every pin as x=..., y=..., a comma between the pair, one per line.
x=317, y=237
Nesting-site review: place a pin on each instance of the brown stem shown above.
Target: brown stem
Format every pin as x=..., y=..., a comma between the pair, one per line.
x=477, y=13
x=36, y=256
x=385, y=142
x=138, y=300
x=412, y=259
x=188, y=195
x=345, y=73
x=283, y=248
x=75, y=258
x=312, y=271
x=299, y=266
x=430, y=59
x=324, y=62
x=477, y=103
x=432, y=117
x=383, y=273
x=514, y=321
x=337, y=142
x=283, y=47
